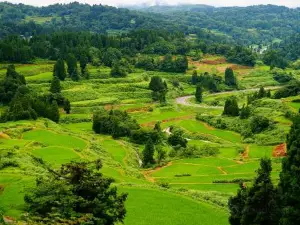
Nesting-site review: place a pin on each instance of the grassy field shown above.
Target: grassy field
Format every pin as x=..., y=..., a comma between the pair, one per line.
x=163, y=208
x=73, y=140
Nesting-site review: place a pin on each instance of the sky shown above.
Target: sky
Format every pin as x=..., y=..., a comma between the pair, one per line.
x=289, y=3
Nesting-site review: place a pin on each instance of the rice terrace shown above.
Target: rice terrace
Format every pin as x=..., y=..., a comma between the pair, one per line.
x=112, y=115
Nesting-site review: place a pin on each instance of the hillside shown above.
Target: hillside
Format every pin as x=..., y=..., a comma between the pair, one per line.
x=168, y=115
x=261, y=24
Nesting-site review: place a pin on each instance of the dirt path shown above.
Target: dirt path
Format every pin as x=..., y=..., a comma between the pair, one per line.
x=246, y=152
x=152, y=123
x=185, y=99
x=279, y=150
x=222, y=170
x=147, y=173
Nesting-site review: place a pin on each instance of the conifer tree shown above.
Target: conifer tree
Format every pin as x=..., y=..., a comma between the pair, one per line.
x=261, y=206
x=148, y=153
x=157, y=127
x=245, y=112
x=194, y=77
x=10, y=84
x=83, y=63
x=198, y=94
x=231, y=107
x=53, y=112
x=261, y=93
x=72, y=67
x=67, y=106
x=230, y=79
x=289, y=186
x=236, y=205
x=59, y=69
x=55, y=87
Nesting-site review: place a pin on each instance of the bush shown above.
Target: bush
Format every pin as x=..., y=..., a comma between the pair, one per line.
x=259, y=124
x=234, y=181
x=176, y=139
x=203, y=151
x=281, y=76
x=183, y=175
x=142, y=135
x=116, y=123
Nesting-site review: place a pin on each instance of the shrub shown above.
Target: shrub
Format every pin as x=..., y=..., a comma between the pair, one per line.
x=116, y=123
x=259, y=124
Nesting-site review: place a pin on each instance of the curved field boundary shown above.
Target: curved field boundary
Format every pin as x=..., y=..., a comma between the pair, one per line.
x=185, y=99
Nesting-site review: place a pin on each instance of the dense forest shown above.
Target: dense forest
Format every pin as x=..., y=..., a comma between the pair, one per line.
x=260, y=24
x=244, y=25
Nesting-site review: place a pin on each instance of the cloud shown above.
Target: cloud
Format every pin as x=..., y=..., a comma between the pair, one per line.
x=289, y=3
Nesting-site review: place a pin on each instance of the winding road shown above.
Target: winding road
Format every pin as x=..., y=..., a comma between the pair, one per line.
x=185, y=100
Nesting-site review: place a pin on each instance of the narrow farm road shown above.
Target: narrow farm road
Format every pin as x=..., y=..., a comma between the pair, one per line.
x=185, y=99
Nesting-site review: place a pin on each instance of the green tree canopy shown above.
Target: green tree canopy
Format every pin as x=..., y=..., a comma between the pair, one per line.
x=231, y=107
x=289, y=185
x=261, y=206
x=59, y=69
x=72, y=67
x=148, y=153
x=10, y=84
x=55, y=85
x=198, y=94
x=230, y=78
x=77, y=192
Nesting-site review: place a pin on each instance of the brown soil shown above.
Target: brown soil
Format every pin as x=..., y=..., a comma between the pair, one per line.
x=147, y=173
x=222, y=170
x=9, y=220
x=142, y=109
x=214, y=62
x=151, y=124
x=279, y=150
x=4, y=136
x=1, y=189
x=246, y=152
x=110, y=107
x=208, y=126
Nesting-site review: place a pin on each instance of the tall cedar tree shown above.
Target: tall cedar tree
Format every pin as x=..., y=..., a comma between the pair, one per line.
x=261, y=93
x=194, y=77
x=59, y=69
x=10, y=84
x=159, y=89
x=261, y=207
x=55, y=87
x=148, y=153
x=118, y=70
x=231, y=107
x=83, y=63
x=53, y=112
x=72, y=67
x=78, y=192
x=230, y=79
x=198, y=94
x=157, y=127
x=289, y=186
x=67, y=106
x=236, y=205
x=245, y=112
x=181, y=64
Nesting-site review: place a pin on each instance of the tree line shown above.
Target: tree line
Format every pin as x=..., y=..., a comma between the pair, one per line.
x=24, y=104
x=265, y=203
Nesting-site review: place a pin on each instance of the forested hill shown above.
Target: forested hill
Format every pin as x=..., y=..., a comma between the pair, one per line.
x=264, y=24
x=29, y=20
x=261, y=24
